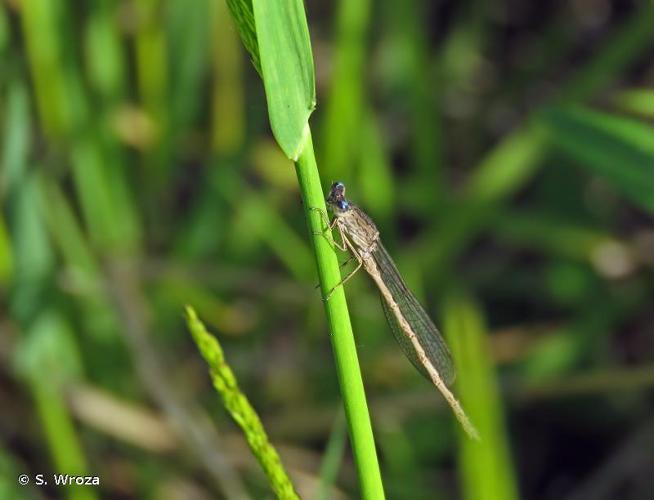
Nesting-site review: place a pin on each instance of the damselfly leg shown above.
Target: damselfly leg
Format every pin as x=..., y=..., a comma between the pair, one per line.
x=355, y=254
x=341, y=266
x=328, y=227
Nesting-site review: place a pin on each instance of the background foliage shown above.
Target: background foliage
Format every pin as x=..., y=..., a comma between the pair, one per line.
x=505, y=149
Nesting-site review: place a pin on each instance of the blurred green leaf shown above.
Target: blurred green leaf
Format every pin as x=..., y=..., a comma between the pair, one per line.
x=569, y=283
x=4, y=28
x=10, y=467
x=82, y=272
x=34, y=259
x=61, y=437
x=583, y=338
x=403, y=476
x=47, y=359
x=375, y=180
x=104, y=56
x=15, y=148
x=41, y=23
x=555, y=355
x=6, y=261
x=152, y=69
x=548, y=234
x=16, y=137
x=619, y=149
x=637, y=101
x=339, y=146
x=506, y=167
x=189, y=48
x=49, y=351
x=332, y=458
x=228, y=90
x=287, y=71
x=486, y=469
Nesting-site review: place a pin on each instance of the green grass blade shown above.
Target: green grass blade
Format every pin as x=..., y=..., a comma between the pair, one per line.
x=103, y=55
x=619, y=149
x=637, y=101
x=228, y=94
x=287, y=70
x=240, y=408
x=332, y=458
x=339, y=147
x=506, y=167
x=6, y=259
x=375, y=181
x=44, y=45
x=188, y=34
x=15, y=149
x=49, y=358
x=486, y=469
x=16, y=135
x=4, y=29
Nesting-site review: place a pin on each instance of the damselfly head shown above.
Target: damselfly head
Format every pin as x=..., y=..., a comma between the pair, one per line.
x=336, y=199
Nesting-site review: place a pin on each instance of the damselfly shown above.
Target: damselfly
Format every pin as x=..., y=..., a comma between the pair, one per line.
x=414, y=331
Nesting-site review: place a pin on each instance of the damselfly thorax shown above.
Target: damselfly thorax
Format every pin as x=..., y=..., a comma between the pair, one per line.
x=360, y=229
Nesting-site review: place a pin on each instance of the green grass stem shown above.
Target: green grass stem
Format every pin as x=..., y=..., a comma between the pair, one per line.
x=287, y=71
x=338, y=318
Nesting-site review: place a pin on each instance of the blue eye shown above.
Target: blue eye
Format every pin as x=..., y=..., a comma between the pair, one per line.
x=342, y=204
